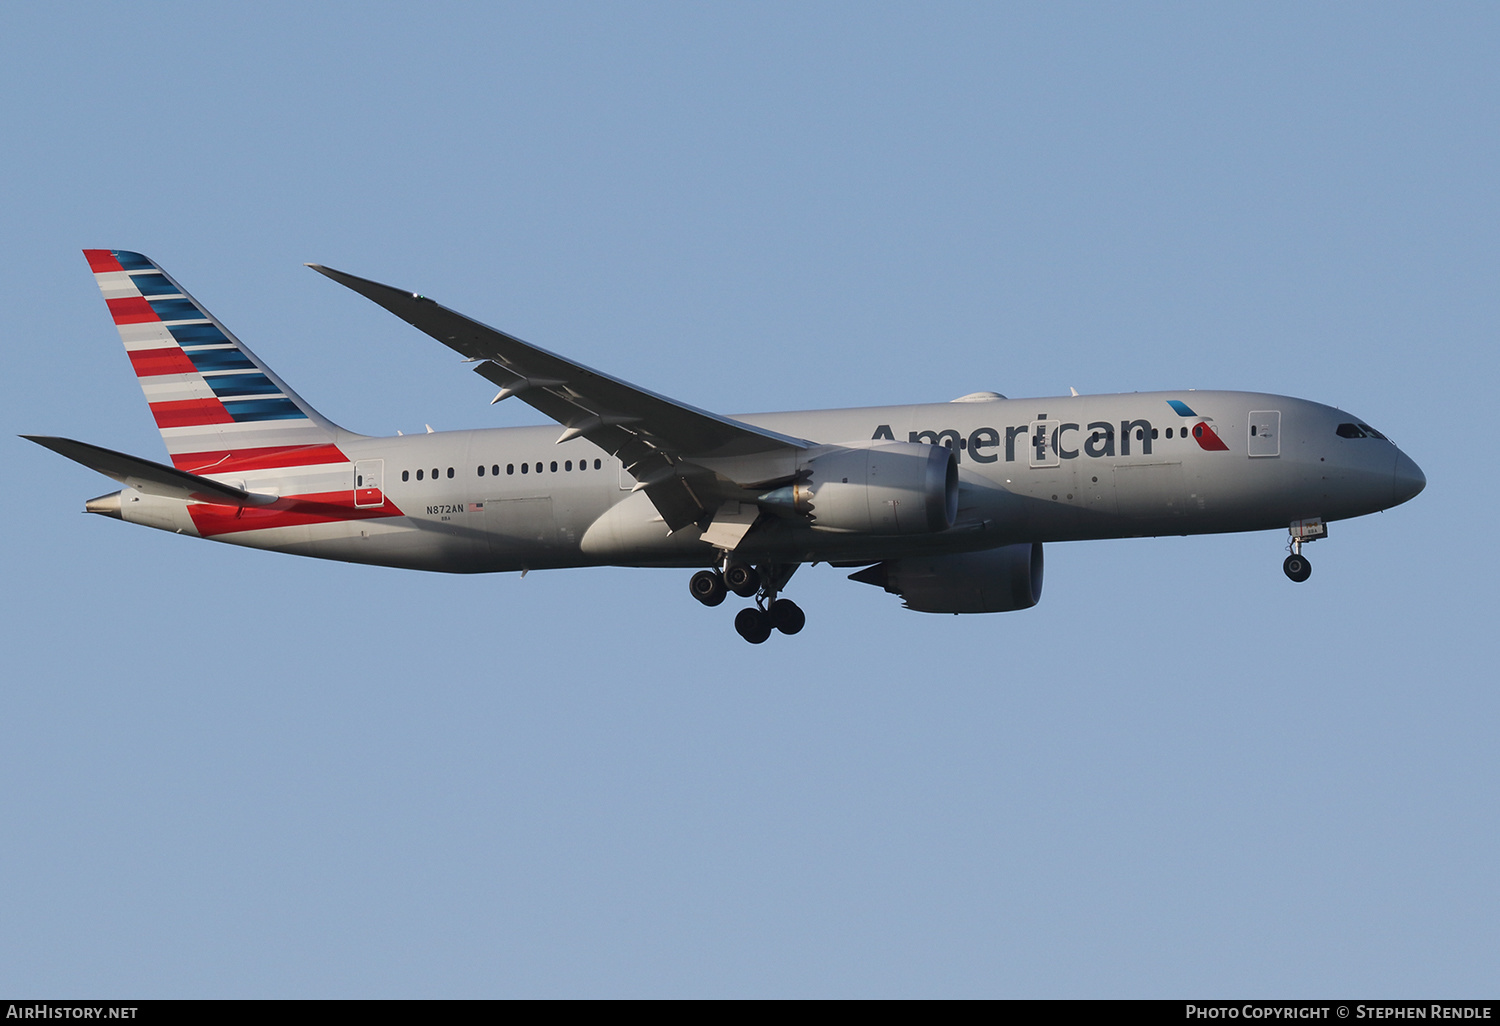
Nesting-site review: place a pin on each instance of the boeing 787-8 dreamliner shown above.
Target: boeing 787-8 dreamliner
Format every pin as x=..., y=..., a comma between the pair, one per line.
x=945, y=504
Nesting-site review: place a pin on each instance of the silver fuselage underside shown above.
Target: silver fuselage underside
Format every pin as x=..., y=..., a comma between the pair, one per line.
x=1140, y=482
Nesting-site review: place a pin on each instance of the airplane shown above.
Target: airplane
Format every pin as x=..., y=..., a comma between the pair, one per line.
x=947, y=505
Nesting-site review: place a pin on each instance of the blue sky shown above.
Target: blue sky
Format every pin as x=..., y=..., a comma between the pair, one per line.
x=230, y=773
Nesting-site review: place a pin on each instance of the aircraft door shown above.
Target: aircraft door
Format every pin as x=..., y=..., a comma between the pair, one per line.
x=369, y=483
x=1043, y=443
x=1265, y=433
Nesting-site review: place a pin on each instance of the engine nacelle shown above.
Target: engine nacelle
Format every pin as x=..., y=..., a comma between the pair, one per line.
x=878, y=488
x=994, y=581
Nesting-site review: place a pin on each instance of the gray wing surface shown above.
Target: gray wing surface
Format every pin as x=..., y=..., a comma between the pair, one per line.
x=661, y=441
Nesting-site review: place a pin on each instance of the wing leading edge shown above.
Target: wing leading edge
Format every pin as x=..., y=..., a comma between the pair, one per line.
x=666, y=445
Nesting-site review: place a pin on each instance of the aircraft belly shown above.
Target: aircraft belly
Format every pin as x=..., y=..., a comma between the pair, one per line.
x=632, y=532
x=407, y=542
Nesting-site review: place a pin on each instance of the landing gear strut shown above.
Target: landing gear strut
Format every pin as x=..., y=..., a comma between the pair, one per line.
x=769, y=614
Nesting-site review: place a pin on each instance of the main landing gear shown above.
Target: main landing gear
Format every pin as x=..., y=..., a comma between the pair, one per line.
x=708, y=587
x=754, y=623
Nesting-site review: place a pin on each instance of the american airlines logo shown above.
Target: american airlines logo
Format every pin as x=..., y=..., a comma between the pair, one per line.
x=1043, y=442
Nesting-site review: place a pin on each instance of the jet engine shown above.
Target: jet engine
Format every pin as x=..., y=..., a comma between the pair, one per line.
x=995, y=581
x=878, y=488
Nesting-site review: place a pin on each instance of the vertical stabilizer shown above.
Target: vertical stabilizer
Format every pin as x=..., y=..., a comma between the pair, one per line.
x=215, y=402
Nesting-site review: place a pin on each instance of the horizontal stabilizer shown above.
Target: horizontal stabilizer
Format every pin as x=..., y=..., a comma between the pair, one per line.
x=150, y=478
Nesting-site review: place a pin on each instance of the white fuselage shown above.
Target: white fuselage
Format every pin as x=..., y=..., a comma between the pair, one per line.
x=1053, y=469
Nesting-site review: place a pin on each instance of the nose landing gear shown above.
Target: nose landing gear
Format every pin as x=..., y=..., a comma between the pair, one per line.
x=769, y=614
x=1297, y=566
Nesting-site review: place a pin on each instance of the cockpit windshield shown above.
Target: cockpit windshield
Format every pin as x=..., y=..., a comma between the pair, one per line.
x=1360, y=431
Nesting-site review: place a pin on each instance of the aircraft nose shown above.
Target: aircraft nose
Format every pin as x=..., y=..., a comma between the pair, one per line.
x=1408, y=478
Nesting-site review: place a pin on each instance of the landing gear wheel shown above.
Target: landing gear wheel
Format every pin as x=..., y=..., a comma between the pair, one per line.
x=753, y=624
x=1297, y=567
x=708, y=587
x=742, y=580
x=786, y=616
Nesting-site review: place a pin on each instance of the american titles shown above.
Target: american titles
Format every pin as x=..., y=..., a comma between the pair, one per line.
x=1044, y=442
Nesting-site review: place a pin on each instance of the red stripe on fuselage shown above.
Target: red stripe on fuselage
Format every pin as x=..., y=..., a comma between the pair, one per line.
x=1209, y=439
x=291, y=511
x=101, y=260
x=131, y=310
x=190, y=413
x=151, y=362
x=265, y=458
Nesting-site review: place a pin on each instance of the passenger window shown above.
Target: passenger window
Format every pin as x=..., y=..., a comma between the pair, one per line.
x=1252, y=430
x=596, y=464
x=1155, y=433
x=434, y=473
x=450, y=472
x=510, y=468
x=419, y=475
x=495, y=470
x=406, y=475
x=554, y=466
x=526, y=468
x=568, y=465
x=481, y=470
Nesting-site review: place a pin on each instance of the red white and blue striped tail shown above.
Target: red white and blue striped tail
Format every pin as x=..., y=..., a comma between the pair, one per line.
x=215, y=402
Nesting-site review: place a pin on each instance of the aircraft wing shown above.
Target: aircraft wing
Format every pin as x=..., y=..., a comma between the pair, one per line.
x=150, y=478
x=661, y=441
